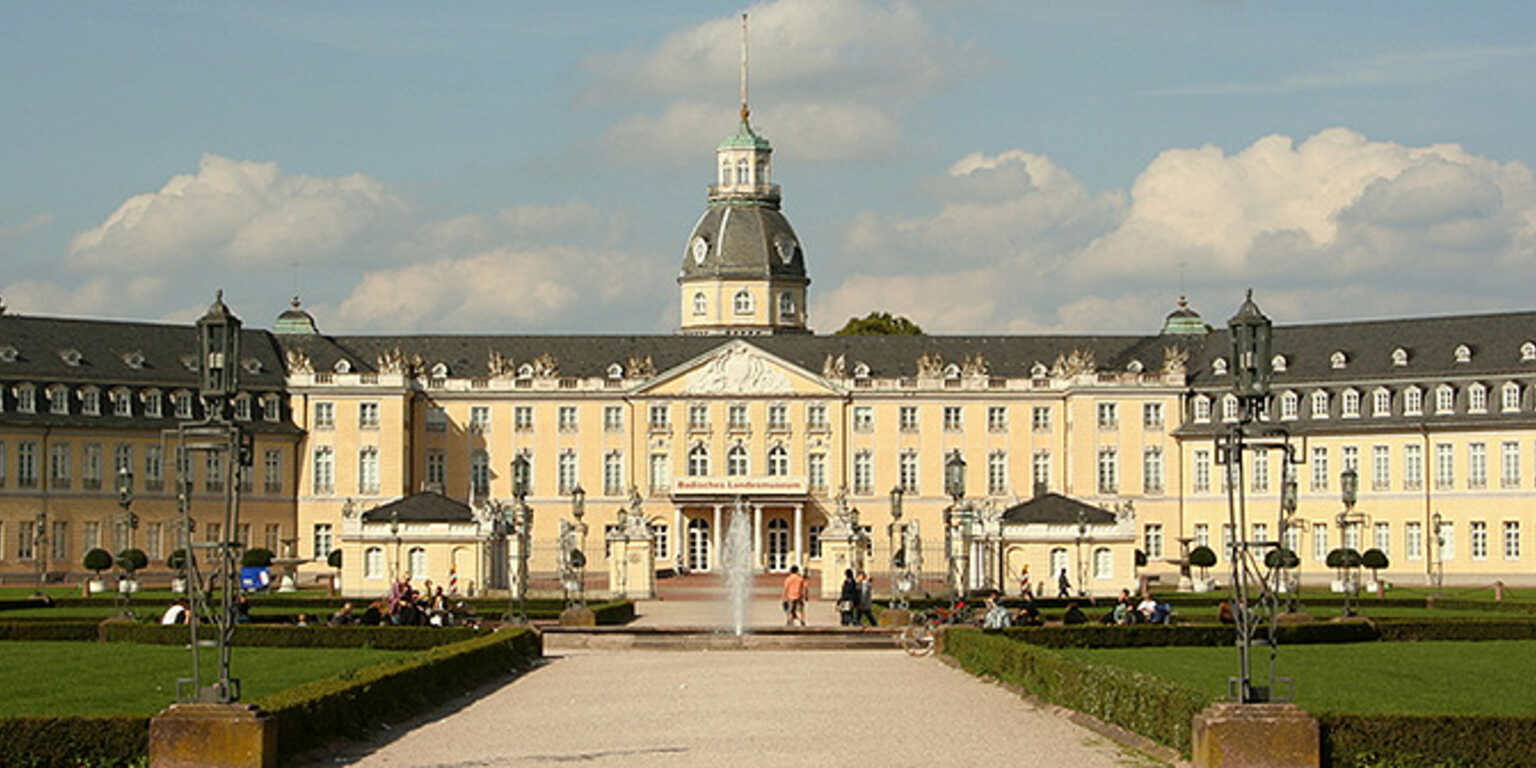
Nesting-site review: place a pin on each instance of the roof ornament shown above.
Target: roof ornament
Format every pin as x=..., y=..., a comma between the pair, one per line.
x=835, y=367
x=744, y=111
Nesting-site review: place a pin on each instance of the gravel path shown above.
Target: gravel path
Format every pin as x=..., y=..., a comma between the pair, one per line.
x=744, y=708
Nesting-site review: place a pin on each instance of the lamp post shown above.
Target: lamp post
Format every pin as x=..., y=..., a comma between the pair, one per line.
x=125, y=502
x=578, y=511
x=954, y=487
x=1082, y=567
x=1288, y=497
x=1349, y=489
x=1438, y=561
x=39, y=543
x=518, y=522
x=394, y=532
x=899, y=557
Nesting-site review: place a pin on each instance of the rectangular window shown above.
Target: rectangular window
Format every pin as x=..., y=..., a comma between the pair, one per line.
x=368, y=415
x=1413, y=541
x=816, y=471
x=1413, y=401
x=1319, y=468
x=997, y=418
x=1108, y=471
x=660, y=534
x=437, y=419
x=1350, y=407
x=1509, y=465
x=480, y=418
x=321, y=542
x=1477, y=399
x=1040, y=470
x=566, y=471
x=1040, y=418
x=272, y=470
x=122, y=458
x=1202, y=535
x=26, y=399
x=1479, y=540
x=1260, y=479
x=1445, y=474
x=324, y=471
x=154, y=541
x=59, y=542
x=1293, y=539
x=58, y=400
x=271, y=536
x=271, y=408
x=90, y=466
x=1152, y=416
x=1381, y=467
x=863, y=418
x=1350, y=534
x=213, y=477
x=1445, y=399
x=1152, y=470
x=436, y=470
x=1109, y=415
x=154, y=468
x=1152, y=541
x=1413, y=467
x=736, y=416
x=58, y=466
x=1511, y=540
x=1201, y=409
x=1289, y=406
x=1350, y=458
x=816, y=416
x=325, y=414
x=613, y=418
x=1383, y=538
x=1381, y=403
x=1260, y=533
x=1477, y=465
x=1202, y=478
x=1228, y=541
x=908, y=418
x=863, y=474
x=368, y=471
x=1320, y=542
x=952, y=421
x=122, y=404
x=778, y=416
x=997, y=473
x=1445, y=542
x=698, y=416
x=660, y=416
x=908, y=471
x=26, y=539
x=613, y=473
x=660, y=472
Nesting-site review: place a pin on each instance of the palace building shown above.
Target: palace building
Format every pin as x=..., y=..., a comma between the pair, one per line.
x=1080, y=449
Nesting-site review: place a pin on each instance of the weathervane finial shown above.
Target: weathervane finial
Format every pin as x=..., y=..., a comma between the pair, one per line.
x=744, y=111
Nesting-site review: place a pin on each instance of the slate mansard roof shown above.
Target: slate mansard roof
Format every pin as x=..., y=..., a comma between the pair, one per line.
x=746, y=242
x=424, y=507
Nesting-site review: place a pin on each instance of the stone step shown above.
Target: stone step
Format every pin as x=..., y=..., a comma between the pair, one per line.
x=714, y=639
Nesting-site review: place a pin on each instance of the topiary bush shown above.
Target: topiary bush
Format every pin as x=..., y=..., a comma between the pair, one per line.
x=1343, y=557
x=334, y=559
x=1203, y=558
x=258, y=557
x=131, y=560
x=1281, y=558
x=177, y=561
x=97, y=560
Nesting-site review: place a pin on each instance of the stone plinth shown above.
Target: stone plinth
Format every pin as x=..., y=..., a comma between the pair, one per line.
x=895, y=617
x=208, y=735
x=838, y=554
x=577, y=616
x=1230, y=735
x=632, y=566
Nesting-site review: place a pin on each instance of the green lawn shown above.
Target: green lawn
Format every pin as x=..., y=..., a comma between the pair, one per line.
x=125, y=678
x=144, y=611
x=1492, y=677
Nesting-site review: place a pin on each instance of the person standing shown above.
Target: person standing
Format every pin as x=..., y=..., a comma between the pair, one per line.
x=1063, y=585
x=848, y=599
x=866, y=601
x=794, y=597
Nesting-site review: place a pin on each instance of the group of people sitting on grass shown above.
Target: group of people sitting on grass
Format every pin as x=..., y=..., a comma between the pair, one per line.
x=1126, y=611
x=404, y=606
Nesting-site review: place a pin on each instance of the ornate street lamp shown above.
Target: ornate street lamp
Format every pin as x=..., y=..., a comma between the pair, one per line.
x=954, y=487
x=1252, y=366
x=218, y=335
x=954, y=476
x=519, y=521
x=125, y=501
x=394, y=532
x=899, y=555
x=578, y=511
x=1349, y=489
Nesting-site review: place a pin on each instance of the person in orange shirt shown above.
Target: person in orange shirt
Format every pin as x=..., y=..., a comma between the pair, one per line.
x=794, y=597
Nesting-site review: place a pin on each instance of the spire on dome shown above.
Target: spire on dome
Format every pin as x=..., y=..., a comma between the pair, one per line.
x=744, y=111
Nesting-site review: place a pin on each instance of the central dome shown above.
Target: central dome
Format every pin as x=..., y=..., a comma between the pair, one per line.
x=743, y=242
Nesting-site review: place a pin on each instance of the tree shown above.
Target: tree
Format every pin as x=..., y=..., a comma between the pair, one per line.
x=1375, y=560
x=1141, y=559
x=334, y=559
x=256, y=558
x=177, y=561
x=131, y=560
x=1203, y=558
x=1343, y=558
x=1281, y=558
x=879, y=324
x=97, y=560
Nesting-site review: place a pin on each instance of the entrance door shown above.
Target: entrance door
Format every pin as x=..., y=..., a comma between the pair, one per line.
x=778, y=545
x=698, y=544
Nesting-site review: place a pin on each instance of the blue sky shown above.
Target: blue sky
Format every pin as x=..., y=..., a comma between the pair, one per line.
x=979, y=166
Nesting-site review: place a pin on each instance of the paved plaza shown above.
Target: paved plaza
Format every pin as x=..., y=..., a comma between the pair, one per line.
x=743, y=708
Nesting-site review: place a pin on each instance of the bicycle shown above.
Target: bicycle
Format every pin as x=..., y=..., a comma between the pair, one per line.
x=917, y=638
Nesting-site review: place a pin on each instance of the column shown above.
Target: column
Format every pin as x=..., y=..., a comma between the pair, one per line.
x=757, y=537
x=679, y=537
x=799, y=533
x=714, y=542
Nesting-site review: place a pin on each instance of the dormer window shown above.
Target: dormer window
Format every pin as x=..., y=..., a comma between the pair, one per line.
x=189, y=362
x=1399, y=357
x=1134, y=366
x=342, y=366
x=90, y=401
x=58, y=399
x=251, y=365
x=1320, y=404
x=1338, y=360
x=182, y=402
x=1527, y=352
x=615, y=371
x=700, y=304
x=26, y=398
x=134, y=359
x=1038, y=371
x=8, y=354
x=1463, y=353
x=861, y=371
x=1278, y=364
x=1202, y=408
x=1509, y=397
x=1289, y=405
x=71, y=357
x=786, y=304
x=122, y=402
x=1229, y=408
x=1445, y=399
x=151, y=400
x=440, y=371
x=524, y=371
x=1381, y=403
x=742, y=302
x=271, y=408
x=1477, y=399
x=951, y=371
x=1413, y=401
x=243, y=407
x=1219, y=366
x=1349, y=406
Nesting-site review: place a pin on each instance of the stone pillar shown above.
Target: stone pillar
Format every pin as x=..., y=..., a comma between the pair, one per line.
x=197, y=734
x=1227, y=735
x=679, y=537
x=799, y=535
x=631, y=566
x=714, y=542
x=757, y=538
x=840, y=550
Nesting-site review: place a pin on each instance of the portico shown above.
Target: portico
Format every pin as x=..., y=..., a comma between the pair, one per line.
x=778, y=507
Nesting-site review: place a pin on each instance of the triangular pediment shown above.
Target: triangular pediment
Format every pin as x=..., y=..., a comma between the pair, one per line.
x=738, y=369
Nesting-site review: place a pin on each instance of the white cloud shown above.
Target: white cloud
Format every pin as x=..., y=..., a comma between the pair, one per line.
x=1336, y=226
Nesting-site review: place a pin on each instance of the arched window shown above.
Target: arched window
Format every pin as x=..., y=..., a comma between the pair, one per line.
x=1445, y=399
x=743, y=302
x=700, y=304
x=736, y=462
x=1511, y=396
x=1229, y=408
x=1319, y=404
x=1202, y=408
x=1103, y=564
x=373, y=563
x=778, y=461
x=1381, y=403
x=1477, y=398
x=698, y=461
x=762, y=171
x=1413, y=401
x=725, y=172
x=1289, y=405
x=1058, y=562
x=786, y=305
x=741, y=172
x=416, y=563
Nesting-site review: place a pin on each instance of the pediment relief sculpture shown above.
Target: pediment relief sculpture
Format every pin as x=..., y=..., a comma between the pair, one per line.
x=738, y=370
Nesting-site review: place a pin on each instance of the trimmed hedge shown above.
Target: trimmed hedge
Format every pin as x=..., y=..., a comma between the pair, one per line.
x=1316, y=633
x=1152, y=706
x=349, y=704
x=1427, y=741
x=1410, y=630
x=285, y=636
x=71, y=742
x=49, y=631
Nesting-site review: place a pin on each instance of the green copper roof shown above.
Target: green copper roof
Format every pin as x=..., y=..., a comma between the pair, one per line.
x=745, y=138
x=1184, y=321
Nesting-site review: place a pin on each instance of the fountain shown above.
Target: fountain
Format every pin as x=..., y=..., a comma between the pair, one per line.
x=739, y=566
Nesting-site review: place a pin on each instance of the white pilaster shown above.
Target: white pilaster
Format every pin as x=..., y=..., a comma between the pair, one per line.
x=757, y=537
x=679, y=537
x=714, y=544
x=799, y=534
